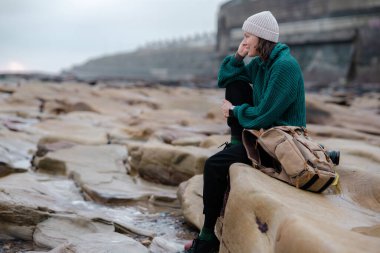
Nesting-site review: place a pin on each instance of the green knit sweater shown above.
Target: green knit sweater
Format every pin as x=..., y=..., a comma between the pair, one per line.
x=278, y=89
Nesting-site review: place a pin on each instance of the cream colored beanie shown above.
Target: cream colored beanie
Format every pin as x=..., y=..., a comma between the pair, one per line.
x=263, y=25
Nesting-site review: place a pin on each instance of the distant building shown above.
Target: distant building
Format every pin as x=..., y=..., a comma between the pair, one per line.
x=337, y=42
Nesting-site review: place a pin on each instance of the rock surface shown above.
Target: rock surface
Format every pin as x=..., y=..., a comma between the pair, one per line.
x=57, y=230
x=100, y=243
x=190, y=194
x=276, y=217
x=101, y=174
x=114, y=156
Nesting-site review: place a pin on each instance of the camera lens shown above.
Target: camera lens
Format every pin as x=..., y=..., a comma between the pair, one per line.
x=334, y=156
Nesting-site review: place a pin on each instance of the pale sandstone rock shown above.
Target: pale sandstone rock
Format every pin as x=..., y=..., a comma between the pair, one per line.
x=147, y=123
x=342, y=133
x=66, y=106
x=113, y=126
x=320, y=112
x=100, y=243
x=16, y=123
x=267, y=215
x=189, y=141
x=23, y=108
x=102, y=158
x=205, y=128
x=10, y=231
x=165, y=245
x=25, y=202
x=15, y=155
x=215, y=141
x=38, y=90
x=46, y=145
x=190, y=194
x=168, y=164
x=355, y=148
x=276, y=218
x=78, y=132
x=369, y=101
x=176, y=137
x=57, y=230
x=122, y=189
x=123, y=114
x=101, y=174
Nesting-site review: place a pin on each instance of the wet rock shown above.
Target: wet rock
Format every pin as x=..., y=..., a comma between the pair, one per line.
x=100, y=243
x=24, y=202
x=15, y=155
x=123, y=189
x=98, y=115
x=17, y=123
x=57, y=230
x=168, y=164
x=101, y=174
x=130, y=229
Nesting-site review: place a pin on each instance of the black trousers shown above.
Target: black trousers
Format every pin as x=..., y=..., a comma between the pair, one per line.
x=216, y=168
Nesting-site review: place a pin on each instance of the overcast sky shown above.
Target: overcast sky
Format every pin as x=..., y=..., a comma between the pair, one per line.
x=51, y=35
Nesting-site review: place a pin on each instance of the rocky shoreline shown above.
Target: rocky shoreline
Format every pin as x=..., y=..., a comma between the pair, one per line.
x=96, y=168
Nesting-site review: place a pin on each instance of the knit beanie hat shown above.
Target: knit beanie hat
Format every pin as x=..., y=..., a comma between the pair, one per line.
x=263, y=25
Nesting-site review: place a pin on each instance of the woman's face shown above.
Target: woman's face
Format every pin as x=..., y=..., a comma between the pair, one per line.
x=251, y=41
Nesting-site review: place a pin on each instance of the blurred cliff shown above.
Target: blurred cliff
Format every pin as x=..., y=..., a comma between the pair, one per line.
x=187, y=59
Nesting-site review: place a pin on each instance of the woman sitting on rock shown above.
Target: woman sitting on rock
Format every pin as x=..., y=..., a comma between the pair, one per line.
x=267, y=92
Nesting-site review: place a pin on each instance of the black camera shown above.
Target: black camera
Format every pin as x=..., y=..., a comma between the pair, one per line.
x=334, y=156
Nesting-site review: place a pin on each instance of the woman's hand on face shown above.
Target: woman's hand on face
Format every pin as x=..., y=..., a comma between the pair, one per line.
x=243, y=49
x=226, y=108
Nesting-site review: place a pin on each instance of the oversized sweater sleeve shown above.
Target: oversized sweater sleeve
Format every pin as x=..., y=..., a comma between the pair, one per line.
x=232, y=70
x=280, y=93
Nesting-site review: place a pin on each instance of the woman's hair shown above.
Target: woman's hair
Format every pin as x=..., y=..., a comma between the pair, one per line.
x=264, y=48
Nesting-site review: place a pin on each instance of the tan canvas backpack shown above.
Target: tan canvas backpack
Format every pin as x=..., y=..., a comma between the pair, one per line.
x=288, y=153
